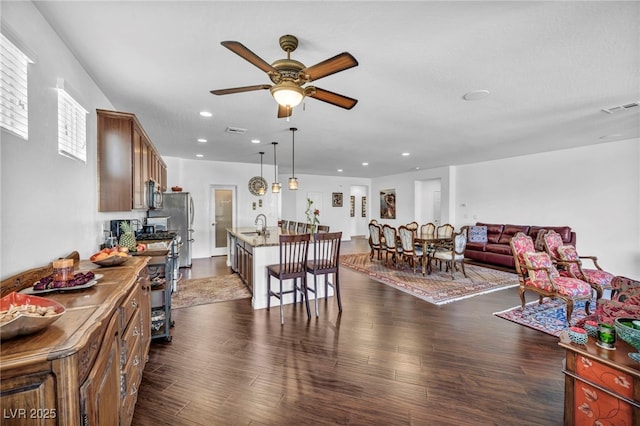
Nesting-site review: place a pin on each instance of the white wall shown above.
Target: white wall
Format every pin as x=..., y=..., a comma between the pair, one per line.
x=197, y=176
x=294, y=203
x=595, y=190
x=49, y=202
x=405, y=186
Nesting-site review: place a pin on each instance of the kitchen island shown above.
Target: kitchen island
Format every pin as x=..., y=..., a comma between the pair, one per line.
x=249, y=253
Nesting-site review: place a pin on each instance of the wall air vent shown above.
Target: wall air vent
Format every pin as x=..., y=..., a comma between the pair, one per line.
x=236, y=130
x=620, y=107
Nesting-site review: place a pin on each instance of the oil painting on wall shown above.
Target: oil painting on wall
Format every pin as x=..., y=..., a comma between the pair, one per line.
x=388, y=204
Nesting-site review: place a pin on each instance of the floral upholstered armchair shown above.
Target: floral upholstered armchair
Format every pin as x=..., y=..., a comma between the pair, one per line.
x=570, y=262
x=537, y=273
x=625, y=303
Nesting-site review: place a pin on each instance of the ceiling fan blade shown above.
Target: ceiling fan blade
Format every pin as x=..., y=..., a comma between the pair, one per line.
x=284, y=111
x=332, y=98
x=240, y=89
x=242, y=51
x=330, y=66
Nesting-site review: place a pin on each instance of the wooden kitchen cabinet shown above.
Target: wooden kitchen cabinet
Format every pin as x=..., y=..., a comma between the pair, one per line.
x=127, y=160
x=86, y=367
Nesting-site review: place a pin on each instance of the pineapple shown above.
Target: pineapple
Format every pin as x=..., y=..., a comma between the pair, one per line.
x=127, y=238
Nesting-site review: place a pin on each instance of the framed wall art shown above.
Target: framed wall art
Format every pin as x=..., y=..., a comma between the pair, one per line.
x=364, y=206
x=388, y=204
x=336, y=198
x=352, y=206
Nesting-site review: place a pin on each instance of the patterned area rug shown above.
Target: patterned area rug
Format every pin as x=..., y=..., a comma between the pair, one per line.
x=550, y=317
x=201, y=291
x=438, y=287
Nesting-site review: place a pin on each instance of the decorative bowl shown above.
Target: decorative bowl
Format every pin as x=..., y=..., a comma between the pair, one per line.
x=22, y=322
x=578, y=335
x=176, y=188
x=111, y=260
x=592, y=328
x=627, y=332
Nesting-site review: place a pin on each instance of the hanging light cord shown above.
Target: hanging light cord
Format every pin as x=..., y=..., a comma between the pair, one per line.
x=293, y=151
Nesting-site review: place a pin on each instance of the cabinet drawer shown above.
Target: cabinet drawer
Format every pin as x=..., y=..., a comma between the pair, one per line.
x=130, y=339
x=131, y=381
x=129, y=307
x=609, y=378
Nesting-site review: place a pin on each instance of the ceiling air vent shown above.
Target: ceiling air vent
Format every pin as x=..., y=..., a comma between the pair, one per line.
x=620, y=107
x=236, y=130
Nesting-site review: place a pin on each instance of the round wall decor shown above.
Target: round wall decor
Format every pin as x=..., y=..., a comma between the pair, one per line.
x=256, y=183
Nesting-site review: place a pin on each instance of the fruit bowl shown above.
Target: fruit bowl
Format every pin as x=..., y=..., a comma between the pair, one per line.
x=578, y=335
x=625, y=329
x=111, y=260
x=20, y=320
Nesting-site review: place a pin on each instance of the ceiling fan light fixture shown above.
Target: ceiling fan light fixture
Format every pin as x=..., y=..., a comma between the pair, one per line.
x=287, y=93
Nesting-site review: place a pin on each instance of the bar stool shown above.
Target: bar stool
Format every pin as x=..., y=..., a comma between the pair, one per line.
x=326, y=252
x=293, y=258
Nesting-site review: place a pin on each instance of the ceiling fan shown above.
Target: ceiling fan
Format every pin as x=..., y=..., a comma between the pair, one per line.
x=289, y=76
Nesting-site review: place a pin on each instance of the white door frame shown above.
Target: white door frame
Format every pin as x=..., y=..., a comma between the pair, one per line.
x=213, y=250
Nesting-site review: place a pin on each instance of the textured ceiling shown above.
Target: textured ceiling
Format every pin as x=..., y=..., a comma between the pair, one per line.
x=550, y=67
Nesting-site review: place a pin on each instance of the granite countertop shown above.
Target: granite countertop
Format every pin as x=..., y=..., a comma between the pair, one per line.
x=251, y=236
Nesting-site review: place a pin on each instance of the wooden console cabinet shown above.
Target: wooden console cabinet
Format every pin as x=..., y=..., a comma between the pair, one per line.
x=85, y=368
x=127, y=160
x=601, y=386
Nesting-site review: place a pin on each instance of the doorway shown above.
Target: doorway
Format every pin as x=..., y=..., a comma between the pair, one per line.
x=428, y=206
x=222, y=214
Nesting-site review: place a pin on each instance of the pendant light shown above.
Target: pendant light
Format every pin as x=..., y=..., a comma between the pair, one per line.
x=263, y=185
x=293, y=180
x=275, y=186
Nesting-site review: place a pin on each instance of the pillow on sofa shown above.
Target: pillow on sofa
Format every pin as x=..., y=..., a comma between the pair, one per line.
x=539, y=260
x=477, y=234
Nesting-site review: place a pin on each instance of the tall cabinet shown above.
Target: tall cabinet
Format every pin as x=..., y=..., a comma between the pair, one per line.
x=127, y=161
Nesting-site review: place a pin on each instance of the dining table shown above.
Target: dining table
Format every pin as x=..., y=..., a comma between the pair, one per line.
x=430, y=239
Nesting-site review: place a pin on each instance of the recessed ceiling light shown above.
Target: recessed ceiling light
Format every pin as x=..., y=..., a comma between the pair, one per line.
x=255, y=140
x=405, y=154
x=475, y=95
x=365, y=164
x=199, y=155
x=339, y=170
x=206, y=114
x=202, y=140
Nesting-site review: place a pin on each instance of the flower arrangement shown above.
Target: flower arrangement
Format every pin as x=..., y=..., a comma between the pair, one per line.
x=312, y=214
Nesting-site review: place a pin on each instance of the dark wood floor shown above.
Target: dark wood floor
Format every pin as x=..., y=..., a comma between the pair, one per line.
x=389, y=358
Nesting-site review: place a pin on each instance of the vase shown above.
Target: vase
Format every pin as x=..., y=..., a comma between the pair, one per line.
x=312, y=229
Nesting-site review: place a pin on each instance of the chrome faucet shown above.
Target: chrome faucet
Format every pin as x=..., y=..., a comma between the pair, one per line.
x=262, y=218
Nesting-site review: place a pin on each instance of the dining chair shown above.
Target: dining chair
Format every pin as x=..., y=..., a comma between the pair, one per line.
x=428, y=228
x=392, y=245
x=292, y=226
x=292, y=266
x=326, y=254
x=323, y=228
x=410, y=252
x=537, y=273
x=301, y=228
x=284, y=225
x=375, y=240
x=413, y=226
x=452, y=254
x=445, y=231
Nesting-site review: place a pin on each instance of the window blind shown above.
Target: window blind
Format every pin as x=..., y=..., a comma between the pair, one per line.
x=14, y=111
x=72, y=127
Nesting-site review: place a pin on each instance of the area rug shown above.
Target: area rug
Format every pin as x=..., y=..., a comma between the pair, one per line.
x=549, y=317
x=201, y=291
x=438, y=287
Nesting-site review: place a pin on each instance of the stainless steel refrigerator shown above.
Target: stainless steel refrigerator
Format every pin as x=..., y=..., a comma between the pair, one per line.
x=178, y=207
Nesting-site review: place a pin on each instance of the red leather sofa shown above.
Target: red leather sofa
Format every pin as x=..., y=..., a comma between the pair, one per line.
x=497, y=251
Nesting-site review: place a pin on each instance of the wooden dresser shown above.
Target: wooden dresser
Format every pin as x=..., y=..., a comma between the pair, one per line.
x=85, y=368
x=600, y=385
